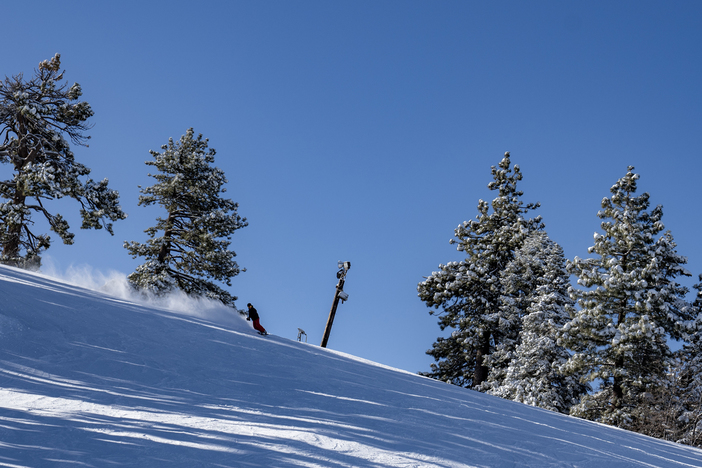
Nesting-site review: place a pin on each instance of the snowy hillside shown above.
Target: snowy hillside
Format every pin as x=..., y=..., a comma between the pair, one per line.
x=90, y=380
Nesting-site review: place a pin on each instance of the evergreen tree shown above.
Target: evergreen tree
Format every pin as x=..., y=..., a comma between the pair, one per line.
x=193, y=248
x=630, y=306
x=686, y=384
x=470, y=293
x=35, y=118
x=536, y=281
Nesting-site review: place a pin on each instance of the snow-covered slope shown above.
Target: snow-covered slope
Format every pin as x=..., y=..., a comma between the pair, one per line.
x=90, y=380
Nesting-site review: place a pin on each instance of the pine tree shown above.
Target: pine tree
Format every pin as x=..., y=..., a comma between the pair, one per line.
x=686, y=384
x=537, y=282
x=193, y=248
x=629, y=307
x=35, y=118
x=470, y=293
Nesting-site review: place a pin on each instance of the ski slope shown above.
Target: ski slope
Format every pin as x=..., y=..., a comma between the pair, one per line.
x=89, y=379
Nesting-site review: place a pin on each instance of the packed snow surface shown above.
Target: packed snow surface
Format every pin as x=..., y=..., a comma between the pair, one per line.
x=93, y=380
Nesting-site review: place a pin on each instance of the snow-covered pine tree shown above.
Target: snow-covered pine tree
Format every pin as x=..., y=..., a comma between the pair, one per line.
x=470, y=292
x=35, y=116
x=686, y=384
x=536, y=281
x=629, y=307
x=192, y=249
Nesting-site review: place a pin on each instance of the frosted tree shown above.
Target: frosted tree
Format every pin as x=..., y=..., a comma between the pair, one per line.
x=629, y=306
x=536, y=281
x=189, y=248
x=468, y=294
x=36, y=118
x=686, y=385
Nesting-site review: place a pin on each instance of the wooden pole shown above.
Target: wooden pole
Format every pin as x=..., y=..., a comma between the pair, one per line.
x=332, y=312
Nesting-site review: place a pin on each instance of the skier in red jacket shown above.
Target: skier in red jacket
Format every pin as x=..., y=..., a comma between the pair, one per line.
x=253, y=315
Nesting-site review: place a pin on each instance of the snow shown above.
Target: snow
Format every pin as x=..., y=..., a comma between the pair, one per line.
x=93, y=380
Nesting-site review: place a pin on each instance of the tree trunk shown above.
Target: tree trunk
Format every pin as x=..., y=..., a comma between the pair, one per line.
x=619, y=362
x=166, y=246
x=481, y=371
x=11, y=249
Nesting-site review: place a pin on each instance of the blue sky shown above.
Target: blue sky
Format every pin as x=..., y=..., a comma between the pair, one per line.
x=365, y=131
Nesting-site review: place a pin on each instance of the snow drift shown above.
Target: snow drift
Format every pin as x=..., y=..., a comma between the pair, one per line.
x=93, y=380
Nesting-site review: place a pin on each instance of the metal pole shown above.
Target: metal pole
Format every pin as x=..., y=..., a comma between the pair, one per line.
x=332, y=312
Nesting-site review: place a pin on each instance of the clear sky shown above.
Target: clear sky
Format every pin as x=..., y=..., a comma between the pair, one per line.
x=365, y=131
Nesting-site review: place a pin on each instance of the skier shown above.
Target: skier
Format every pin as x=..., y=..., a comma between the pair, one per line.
x=253, y=315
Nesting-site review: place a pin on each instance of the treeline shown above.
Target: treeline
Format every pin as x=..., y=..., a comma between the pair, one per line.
x=598, y=349
x=187, y=249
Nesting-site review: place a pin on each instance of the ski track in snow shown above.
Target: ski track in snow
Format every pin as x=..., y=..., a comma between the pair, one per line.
x=91, y=380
